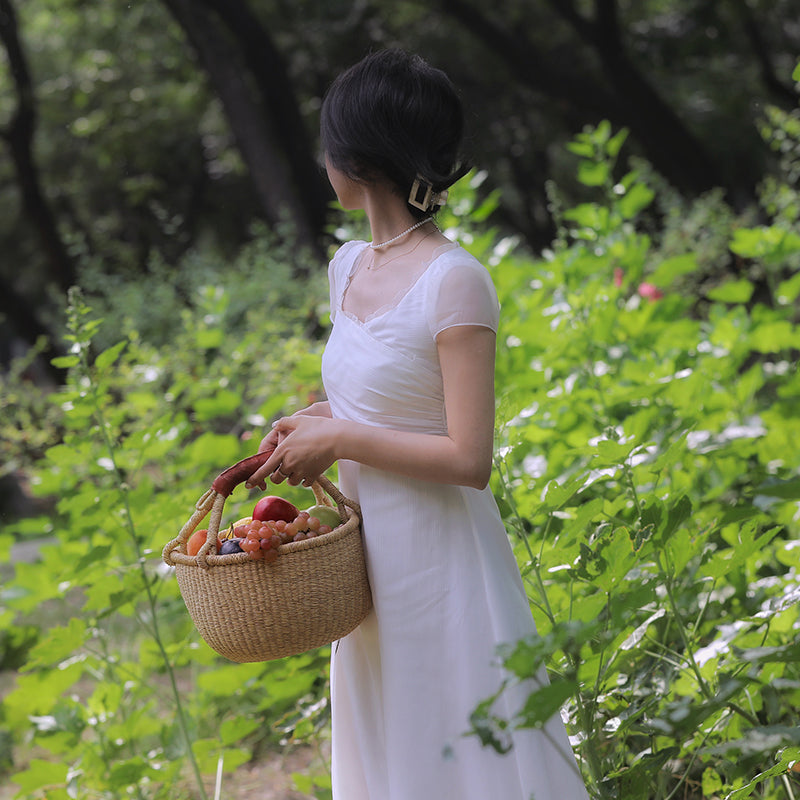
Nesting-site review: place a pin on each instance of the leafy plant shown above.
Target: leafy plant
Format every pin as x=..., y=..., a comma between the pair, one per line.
x=644, y=467
x=145, y=429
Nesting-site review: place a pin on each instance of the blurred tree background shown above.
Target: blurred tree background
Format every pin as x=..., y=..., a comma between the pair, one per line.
x=134, y=132
x=637, y=200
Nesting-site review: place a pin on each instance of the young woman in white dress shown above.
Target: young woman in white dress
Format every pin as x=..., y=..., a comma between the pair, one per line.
x=409, y=376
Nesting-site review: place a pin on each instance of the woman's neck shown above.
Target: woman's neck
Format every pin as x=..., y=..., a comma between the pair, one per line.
x=387, y=213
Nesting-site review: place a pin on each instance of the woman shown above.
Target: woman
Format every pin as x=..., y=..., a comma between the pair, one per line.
x=409, y=375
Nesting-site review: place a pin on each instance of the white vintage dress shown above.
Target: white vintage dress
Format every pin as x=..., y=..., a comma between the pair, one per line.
x=445, y=584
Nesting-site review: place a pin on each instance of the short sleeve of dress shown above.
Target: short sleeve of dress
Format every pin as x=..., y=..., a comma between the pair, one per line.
x=462, y=294
x=337, y=273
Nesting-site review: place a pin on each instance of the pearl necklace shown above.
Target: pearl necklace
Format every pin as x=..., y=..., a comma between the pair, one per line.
x=401, y=235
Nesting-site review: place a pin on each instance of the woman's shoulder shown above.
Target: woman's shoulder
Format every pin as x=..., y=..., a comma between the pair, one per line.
x=455, y=264
x=460, y=292
x=347, y=252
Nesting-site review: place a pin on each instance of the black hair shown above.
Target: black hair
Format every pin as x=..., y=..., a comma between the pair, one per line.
x=395, y=116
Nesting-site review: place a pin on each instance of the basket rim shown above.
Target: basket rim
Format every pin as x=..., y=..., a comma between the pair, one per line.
x=178, y=554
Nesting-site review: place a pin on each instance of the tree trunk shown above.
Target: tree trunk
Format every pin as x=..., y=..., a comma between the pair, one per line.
x=268, y=71
x=782, y=92
x=633, y=103
x=255, y=132
x=19, y=136
x=667, y=142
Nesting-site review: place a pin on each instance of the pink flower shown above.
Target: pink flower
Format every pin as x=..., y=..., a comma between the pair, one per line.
x=650, y=292
x=618, y=276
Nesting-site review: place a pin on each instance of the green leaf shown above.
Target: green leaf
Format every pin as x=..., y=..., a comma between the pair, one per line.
x=209, y=338
x=58, y=644
x=781, y=654
x=39, y=774
x=616, y=141
x=208, y=751
x=671, y=268
x=234, y=730
x=109, y=356
x=788, y=490
x=796, y=73
x=593, y=173
x=611, y=452
x=544, y=703
x=129, y=772
x=732, y=292
x=788, y=757
x=588, y=215
x=557, y=494
x=678, y=513
x=768, y=243
x=222, y=403
x=711, y=782
x=581, y=148
x=788, y=290
x=726, y=561
x=65, y=362
x=636, y=199
x=772, y=337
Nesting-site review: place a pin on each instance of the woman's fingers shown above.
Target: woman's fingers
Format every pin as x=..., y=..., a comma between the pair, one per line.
x=268, y=468
x=293, y=458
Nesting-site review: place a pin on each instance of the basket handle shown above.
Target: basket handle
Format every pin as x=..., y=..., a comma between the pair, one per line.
x=228, y=480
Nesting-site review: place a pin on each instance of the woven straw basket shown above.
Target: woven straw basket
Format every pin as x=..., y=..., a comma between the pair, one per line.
x=314, y=593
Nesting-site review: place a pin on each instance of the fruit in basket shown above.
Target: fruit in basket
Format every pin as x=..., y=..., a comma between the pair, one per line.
x=233, y=531
x=274, y=508
x=230, y=546
x=196, y=541
x=261, y=540
x=326, y=515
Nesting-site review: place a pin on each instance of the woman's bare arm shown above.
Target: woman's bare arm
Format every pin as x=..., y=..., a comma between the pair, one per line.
x=307, y=445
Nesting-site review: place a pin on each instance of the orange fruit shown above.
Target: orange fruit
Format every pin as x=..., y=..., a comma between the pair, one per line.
x=196, y=541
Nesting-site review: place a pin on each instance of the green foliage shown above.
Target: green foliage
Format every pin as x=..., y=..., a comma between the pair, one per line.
x=646, y=467
x=117, y=689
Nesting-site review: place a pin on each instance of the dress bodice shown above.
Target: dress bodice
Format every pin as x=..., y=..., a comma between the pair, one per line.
x=385, y=370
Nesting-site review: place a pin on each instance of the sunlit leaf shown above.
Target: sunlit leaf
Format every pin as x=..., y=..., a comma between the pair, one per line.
x=592, y=173
x=59, y=643
x=737, y=291
x=109, y=356
x=636, y=199
x=40, y=773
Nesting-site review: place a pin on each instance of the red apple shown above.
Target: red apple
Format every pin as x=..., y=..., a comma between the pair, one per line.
x=274, y=508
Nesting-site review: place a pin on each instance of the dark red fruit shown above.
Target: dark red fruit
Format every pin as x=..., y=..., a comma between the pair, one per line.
x=274, y=508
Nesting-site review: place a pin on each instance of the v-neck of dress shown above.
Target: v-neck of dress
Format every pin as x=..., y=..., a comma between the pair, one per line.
x=399, y=296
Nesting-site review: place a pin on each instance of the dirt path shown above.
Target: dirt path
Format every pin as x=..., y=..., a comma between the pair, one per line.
x=269, y=779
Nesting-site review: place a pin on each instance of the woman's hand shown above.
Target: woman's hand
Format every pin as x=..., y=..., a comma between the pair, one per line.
x=302, y=449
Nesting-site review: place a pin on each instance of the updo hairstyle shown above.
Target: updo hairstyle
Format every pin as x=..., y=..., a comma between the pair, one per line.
x=394, y=116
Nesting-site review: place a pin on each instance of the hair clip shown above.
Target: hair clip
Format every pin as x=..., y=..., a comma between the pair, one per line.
x=423, y=197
